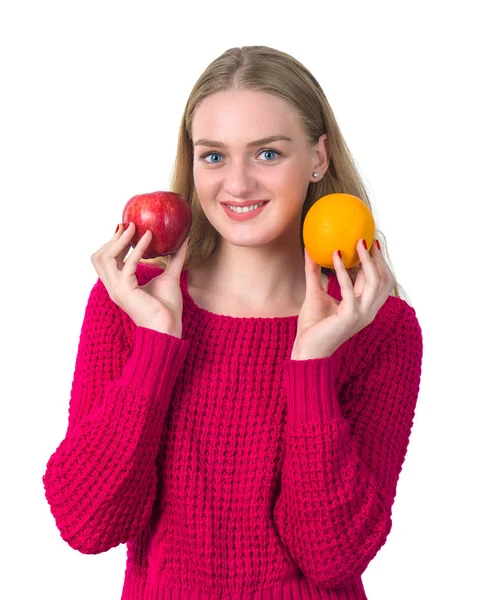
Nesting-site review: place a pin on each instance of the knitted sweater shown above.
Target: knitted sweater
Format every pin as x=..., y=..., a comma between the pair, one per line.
x=227, y=468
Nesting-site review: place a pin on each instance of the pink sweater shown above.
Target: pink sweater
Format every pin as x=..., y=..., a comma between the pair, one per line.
x=230, y=470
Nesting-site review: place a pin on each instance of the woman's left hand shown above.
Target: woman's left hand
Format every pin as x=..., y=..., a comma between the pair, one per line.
x=324, y=323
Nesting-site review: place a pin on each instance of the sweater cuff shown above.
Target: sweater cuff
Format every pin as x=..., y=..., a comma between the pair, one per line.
x=310, y=388
x=156, y=356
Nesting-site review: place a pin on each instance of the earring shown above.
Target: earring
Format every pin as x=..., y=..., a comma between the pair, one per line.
x=315, y=174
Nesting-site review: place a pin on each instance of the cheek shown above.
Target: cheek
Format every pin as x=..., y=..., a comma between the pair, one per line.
x=199, y=182
x=196, y=174
x=202, y=178
x=292, y=178
x=206, y=188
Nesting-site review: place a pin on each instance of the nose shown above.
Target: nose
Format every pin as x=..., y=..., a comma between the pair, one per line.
x=239, y=180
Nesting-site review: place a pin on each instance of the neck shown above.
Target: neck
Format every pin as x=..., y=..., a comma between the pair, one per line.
x=256, y=276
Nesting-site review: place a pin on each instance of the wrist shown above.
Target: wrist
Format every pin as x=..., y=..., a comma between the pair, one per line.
x=306, y=357
x=166, y=330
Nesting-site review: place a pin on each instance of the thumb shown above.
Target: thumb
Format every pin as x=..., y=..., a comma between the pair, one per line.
x=312, y=275
x=176, y=260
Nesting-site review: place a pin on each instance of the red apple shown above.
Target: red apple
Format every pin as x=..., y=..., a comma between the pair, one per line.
x=166, y=214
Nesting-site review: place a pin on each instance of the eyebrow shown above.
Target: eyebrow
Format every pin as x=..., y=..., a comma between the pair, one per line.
x=266, y=140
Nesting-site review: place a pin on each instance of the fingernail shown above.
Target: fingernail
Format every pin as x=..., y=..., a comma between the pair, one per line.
x=117, y=228
x=377, y=243
x=364, y=244
x=340, y=254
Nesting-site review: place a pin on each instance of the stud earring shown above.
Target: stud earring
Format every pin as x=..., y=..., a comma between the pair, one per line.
x=315, y=174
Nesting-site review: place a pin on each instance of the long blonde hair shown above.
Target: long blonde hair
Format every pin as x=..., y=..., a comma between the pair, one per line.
x=268, y=70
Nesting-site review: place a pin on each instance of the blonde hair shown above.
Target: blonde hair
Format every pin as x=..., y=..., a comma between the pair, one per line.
x=268, y=70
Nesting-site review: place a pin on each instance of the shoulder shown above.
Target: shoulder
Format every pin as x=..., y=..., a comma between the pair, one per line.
x=397, y=315
x=395, y=328
x=394, y=315
x=393, y=336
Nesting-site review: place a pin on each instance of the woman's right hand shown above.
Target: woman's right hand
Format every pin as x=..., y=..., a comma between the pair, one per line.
x=156, y=305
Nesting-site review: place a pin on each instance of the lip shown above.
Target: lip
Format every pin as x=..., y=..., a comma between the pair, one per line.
x=251, y=214
x=244, y=204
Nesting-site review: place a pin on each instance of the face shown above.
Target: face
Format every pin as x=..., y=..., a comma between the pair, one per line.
x=229, y=168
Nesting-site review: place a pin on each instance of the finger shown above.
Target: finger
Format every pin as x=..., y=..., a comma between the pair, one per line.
x=346, y=287
x=381, y=265
x=359, y=282
x=133, y=259
x=105, y=246
x=119, y=231
x=312, y=277
x=176, y=260
x=117, y=236
x=386, y=276
x=372, y=278
x=118, y=247
x=103, y=257
x=114, y=252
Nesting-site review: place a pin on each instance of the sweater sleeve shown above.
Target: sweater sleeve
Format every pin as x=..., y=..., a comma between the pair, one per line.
x=101, y=481
x=340, y=474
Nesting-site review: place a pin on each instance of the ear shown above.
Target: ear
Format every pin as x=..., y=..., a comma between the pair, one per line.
x=320, y=155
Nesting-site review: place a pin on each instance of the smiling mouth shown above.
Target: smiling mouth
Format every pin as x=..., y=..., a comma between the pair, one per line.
x=244, y=214
x=243, y=209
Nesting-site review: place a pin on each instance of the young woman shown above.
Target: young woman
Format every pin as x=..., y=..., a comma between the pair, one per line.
x=238, y=415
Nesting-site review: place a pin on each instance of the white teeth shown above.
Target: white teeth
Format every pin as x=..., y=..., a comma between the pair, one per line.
x=243, y=209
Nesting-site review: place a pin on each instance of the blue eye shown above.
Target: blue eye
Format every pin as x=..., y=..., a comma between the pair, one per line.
x=210, y=154
x=204, y=156
x=269, y=152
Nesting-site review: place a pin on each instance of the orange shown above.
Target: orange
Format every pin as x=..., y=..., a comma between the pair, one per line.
x=337, y=222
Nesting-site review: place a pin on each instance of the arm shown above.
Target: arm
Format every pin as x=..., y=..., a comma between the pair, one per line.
x=101, y=481
x=340, y=472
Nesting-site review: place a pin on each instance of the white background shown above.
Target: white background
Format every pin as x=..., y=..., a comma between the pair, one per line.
x=92, y=94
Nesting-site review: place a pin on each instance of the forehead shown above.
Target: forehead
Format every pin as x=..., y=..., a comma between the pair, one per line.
x=244, y=114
